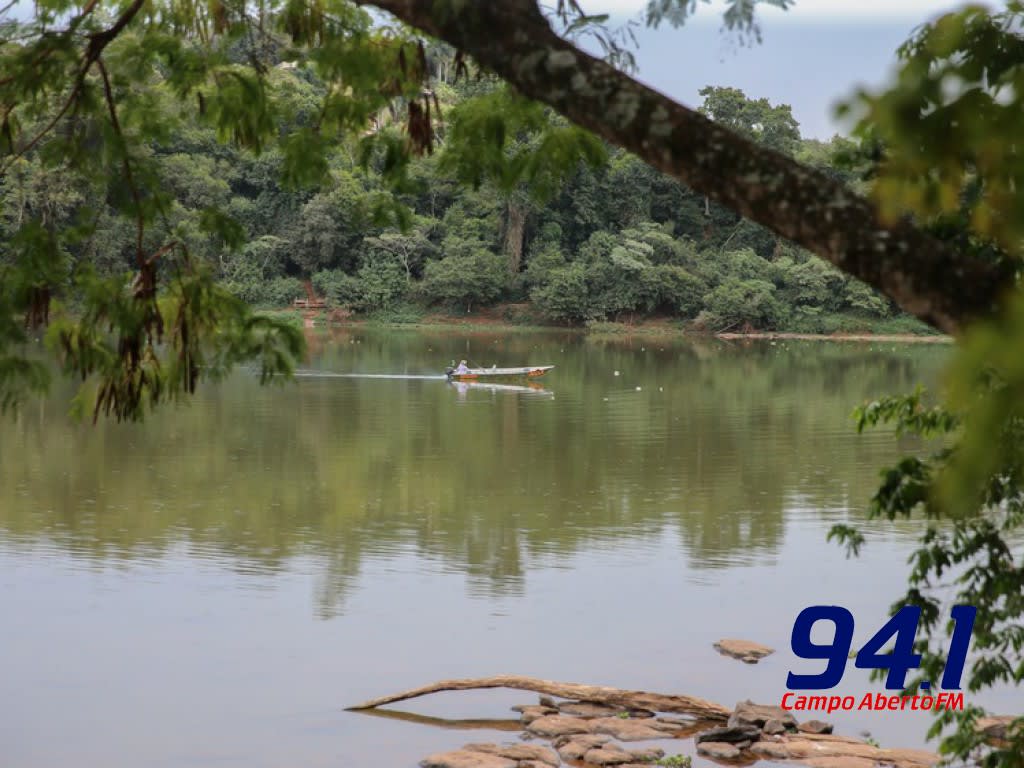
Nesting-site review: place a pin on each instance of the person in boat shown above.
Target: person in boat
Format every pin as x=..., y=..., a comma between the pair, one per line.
x=463, y=368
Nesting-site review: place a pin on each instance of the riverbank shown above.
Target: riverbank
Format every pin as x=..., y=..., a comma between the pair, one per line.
x=496, y=321
x=902, y=338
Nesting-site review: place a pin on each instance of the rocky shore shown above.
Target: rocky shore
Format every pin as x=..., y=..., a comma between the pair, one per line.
x=584, y=733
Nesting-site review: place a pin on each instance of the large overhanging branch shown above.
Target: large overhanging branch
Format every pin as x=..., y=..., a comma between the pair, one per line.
x=937, y=284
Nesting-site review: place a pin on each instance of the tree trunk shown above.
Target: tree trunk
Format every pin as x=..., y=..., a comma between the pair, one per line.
x=925, y=277
x=515, y=230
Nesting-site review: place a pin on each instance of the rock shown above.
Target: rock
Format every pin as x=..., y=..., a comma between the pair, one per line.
x=744, y=650
x=648, y=755
x=749, y=713
x=589, y=709
x=839, y=762
x=815, y=726
x=609, y=754
x=641, y=713
x=530, y=712
x=773, y=728
x=678, y=722
x=535, y=753
x=730, y=734
x=718, y=749
x=829, y=737
x=574, y=747
x=464, y=758
x=626, y=729
x=557, y=725
x=773, y=749
x=995, y=727
x=590, y=739
x=547, y=701
x=669, y=728
x=800, y=748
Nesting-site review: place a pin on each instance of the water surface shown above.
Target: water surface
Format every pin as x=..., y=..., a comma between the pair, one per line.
x=214, y=586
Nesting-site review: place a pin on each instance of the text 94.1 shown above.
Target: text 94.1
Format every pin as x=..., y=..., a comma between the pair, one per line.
x=902, y=626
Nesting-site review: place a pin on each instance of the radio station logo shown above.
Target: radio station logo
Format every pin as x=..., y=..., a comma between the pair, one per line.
x=891, y=648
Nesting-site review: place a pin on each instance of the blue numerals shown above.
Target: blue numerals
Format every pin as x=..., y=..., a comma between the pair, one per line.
x=836, y=652
x=901, y=629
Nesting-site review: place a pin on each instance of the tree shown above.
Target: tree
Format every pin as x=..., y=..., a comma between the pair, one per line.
x=471, y=277
x=410, y=250
x=773, y=126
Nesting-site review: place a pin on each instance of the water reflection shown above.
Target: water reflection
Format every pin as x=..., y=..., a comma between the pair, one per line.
x=727, y=445
x=215, y=585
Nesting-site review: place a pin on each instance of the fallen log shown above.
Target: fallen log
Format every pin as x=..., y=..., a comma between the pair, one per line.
x=656, y=702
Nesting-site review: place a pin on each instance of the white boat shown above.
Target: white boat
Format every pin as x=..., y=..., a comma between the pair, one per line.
x=485, y=373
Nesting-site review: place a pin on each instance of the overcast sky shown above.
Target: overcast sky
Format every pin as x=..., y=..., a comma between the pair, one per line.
x=812, y=56
x=806, y=9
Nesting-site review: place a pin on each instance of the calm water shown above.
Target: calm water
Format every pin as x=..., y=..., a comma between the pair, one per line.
x=213, y=587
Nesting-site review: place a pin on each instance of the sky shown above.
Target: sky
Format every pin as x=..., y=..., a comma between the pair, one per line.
x=804, y=9
x=812, y=56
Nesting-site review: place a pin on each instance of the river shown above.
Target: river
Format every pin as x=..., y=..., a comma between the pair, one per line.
x=214, y=586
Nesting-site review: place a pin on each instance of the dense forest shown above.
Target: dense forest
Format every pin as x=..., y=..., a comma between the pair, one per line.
x=610, y=239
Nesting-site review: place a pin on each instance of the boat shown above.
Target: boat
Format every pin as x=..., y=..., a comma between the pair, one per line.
x=486, y=373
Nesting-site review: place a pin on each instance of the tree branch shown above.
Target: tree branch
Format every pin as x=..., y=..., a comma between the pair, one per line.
x=140, y=221
x=926, y=278
x=97, y=43
x=656, y=702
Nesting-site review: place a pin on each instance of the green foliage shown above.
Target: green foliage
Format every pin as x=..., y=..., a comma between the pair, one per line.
x=948, y=123
x=940, y=143
x=341, y=289
x=564, y=294
x=974, y=502
x=773, y=126
x=675, y=761
x=135, y=350
x=399, y=314
x=680, y=292
x=505, y=139
x=465, y=279
x=381, y=284
x=736, y=303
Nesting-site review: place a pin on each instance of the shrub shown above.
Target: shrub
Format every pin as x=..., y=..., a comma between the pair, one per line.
x=340, y=289
x=464, y=280
x=624, y=281
x=737, y=302
x=564, y=296
x=281, y=291
x=679, y=291
x=381, y=283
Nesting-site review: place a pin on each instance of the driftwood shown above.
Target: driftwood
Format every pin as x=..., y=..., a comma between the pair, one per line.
x=656, y=702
